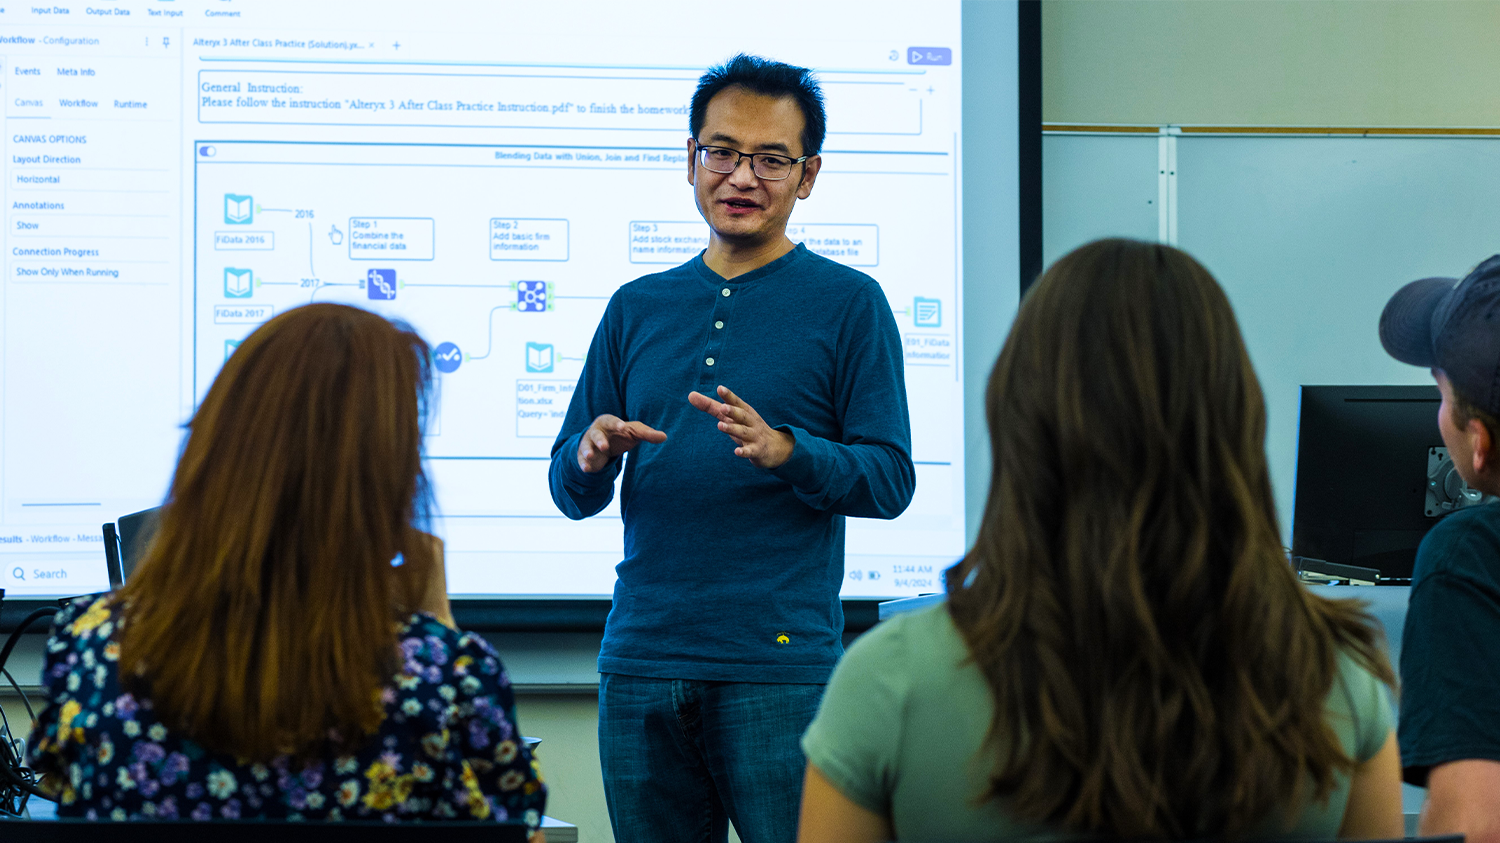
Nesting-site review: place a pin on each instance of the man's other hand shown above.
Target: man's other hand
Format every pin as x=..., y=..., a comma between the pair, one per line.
x=758, y=442
x=1461, y=799
x=609, y=437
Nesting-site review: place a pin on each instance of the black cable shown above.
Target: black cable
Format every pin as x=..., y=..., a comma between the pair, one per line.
x=5, y=733
x=21, y=780
x=17, y=784
x=24, y=700
x=15, y=635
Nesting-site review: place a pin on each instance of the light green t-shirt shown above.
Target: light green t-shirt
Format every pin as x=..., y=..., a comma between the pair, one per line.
x=903, y=722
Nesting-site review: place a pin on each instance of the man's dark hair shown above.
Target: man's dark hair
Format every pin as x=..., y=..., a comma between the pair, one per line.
x=768, y=78
x=1465, y=410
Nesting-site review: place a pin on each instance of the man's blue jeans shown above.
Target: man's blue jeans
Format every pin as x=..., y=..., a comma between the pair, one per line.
x=682, y=758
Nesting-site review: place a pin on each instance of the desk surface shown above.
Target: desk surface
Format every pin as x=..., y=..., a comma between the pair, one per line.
x=557, y=830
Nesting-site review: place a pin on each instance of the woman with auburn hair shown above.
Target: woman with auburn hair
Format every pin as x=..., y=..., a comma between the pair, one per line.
x=1125, y=651
x=285, y=648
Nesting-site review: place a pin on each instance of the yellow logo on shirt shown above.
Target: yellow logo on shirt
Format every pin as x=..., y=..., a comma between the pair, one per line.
x=783, y=638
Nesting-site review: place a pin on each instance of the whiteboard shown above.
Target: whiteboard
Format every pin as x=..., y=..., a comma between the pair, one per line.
x=1309, y=237
x=1097, y=186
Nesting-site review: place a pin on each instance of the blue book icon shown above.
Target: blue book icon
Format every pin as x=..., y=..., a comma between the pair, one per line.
x=927, y=313
x=238, y=210
x=539, y=357
x=380, y=284
x=238, y=283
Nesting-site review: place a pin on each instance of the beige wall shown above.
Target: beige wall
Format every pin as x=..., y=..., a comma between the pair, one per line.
x=1396, y=63
x=568, y=725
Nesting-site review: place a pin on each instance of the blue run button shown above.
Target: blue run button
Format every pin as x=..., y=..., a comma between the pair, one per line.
x=929, y=55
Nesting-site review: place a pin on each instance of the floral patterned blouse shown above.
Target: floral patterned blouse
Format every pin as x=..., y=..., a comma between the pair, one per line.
x=448, y=748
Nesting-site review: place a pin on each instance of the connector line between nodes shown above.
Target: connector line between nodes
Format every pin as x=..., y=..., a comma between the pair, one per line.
x=320, y=286
x=475, y=286
x=490, y=321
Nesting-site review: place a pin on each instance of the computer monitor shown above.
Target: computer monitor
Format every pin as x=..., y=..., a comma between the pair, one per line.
x=1372, y=476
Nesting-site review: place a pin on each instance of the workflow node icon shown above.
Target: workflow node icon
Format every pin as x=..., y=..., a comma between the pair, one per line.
x=229, y=347
x=447, y=358
x=238, y=283
x=927, y=313
x=531, y=296
x=380, y=284
x=539, y=357
x=238, y=210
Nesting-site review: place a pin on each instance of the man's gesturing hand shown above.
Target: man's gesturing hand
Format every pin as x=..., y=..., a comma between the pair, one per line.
x=758, y=442
x=610, y=436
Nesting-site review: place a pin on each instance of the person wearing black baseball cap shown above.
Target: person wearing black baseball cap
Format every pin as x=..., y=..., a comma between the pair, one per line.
x=1450, y=660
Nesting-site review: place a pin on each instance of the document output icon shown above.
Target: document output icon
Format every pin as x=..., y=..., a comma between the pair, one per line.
x=539, y=357
x=238, y=210
x=238, y=283
x=927, y=313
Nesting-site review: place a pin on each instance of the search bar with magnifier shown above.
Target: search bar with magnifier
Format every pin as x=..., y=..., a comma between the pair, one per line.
x=41, y=573
x=54, y=575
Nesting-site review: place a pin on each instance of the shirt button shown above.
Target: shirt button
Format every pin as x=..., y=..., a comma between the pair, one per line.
x=725, y=291
x=709, y=361
x=719, y=324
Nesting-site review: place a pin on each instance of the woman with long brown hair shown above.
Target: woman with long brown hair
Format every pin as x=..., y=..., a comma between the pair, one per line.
x=285, y=648
x=1125, y=651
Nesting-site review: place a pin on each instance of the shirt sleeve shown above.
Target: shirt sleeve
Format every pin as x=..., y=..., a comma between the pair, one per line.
x=1371, y=707
x=1450, y=674
x=855, y=739
x=869, y=472
x=488, y=738
x=577, y=493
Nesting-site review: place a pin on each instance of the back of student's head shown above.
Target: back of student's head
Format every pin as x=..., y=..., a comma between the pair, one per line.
x=1157, y=669
x=1449, y=325
x=263, y=614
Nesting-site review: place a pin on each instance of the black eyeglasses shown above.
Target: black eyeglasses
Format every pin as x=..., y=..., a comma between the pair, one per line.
x=765, y=165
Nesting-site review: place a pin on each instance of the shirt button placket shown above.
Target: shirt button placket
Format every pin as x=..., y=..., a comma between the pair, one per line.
x=712, y=351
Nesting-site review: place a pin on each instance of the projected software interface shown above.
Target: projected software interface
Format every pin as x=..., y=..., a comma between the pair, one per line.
x=176, y=176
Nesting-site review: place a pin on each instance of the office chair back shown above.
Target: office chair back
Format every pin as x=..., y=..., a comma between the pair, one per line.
x=125, y=544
